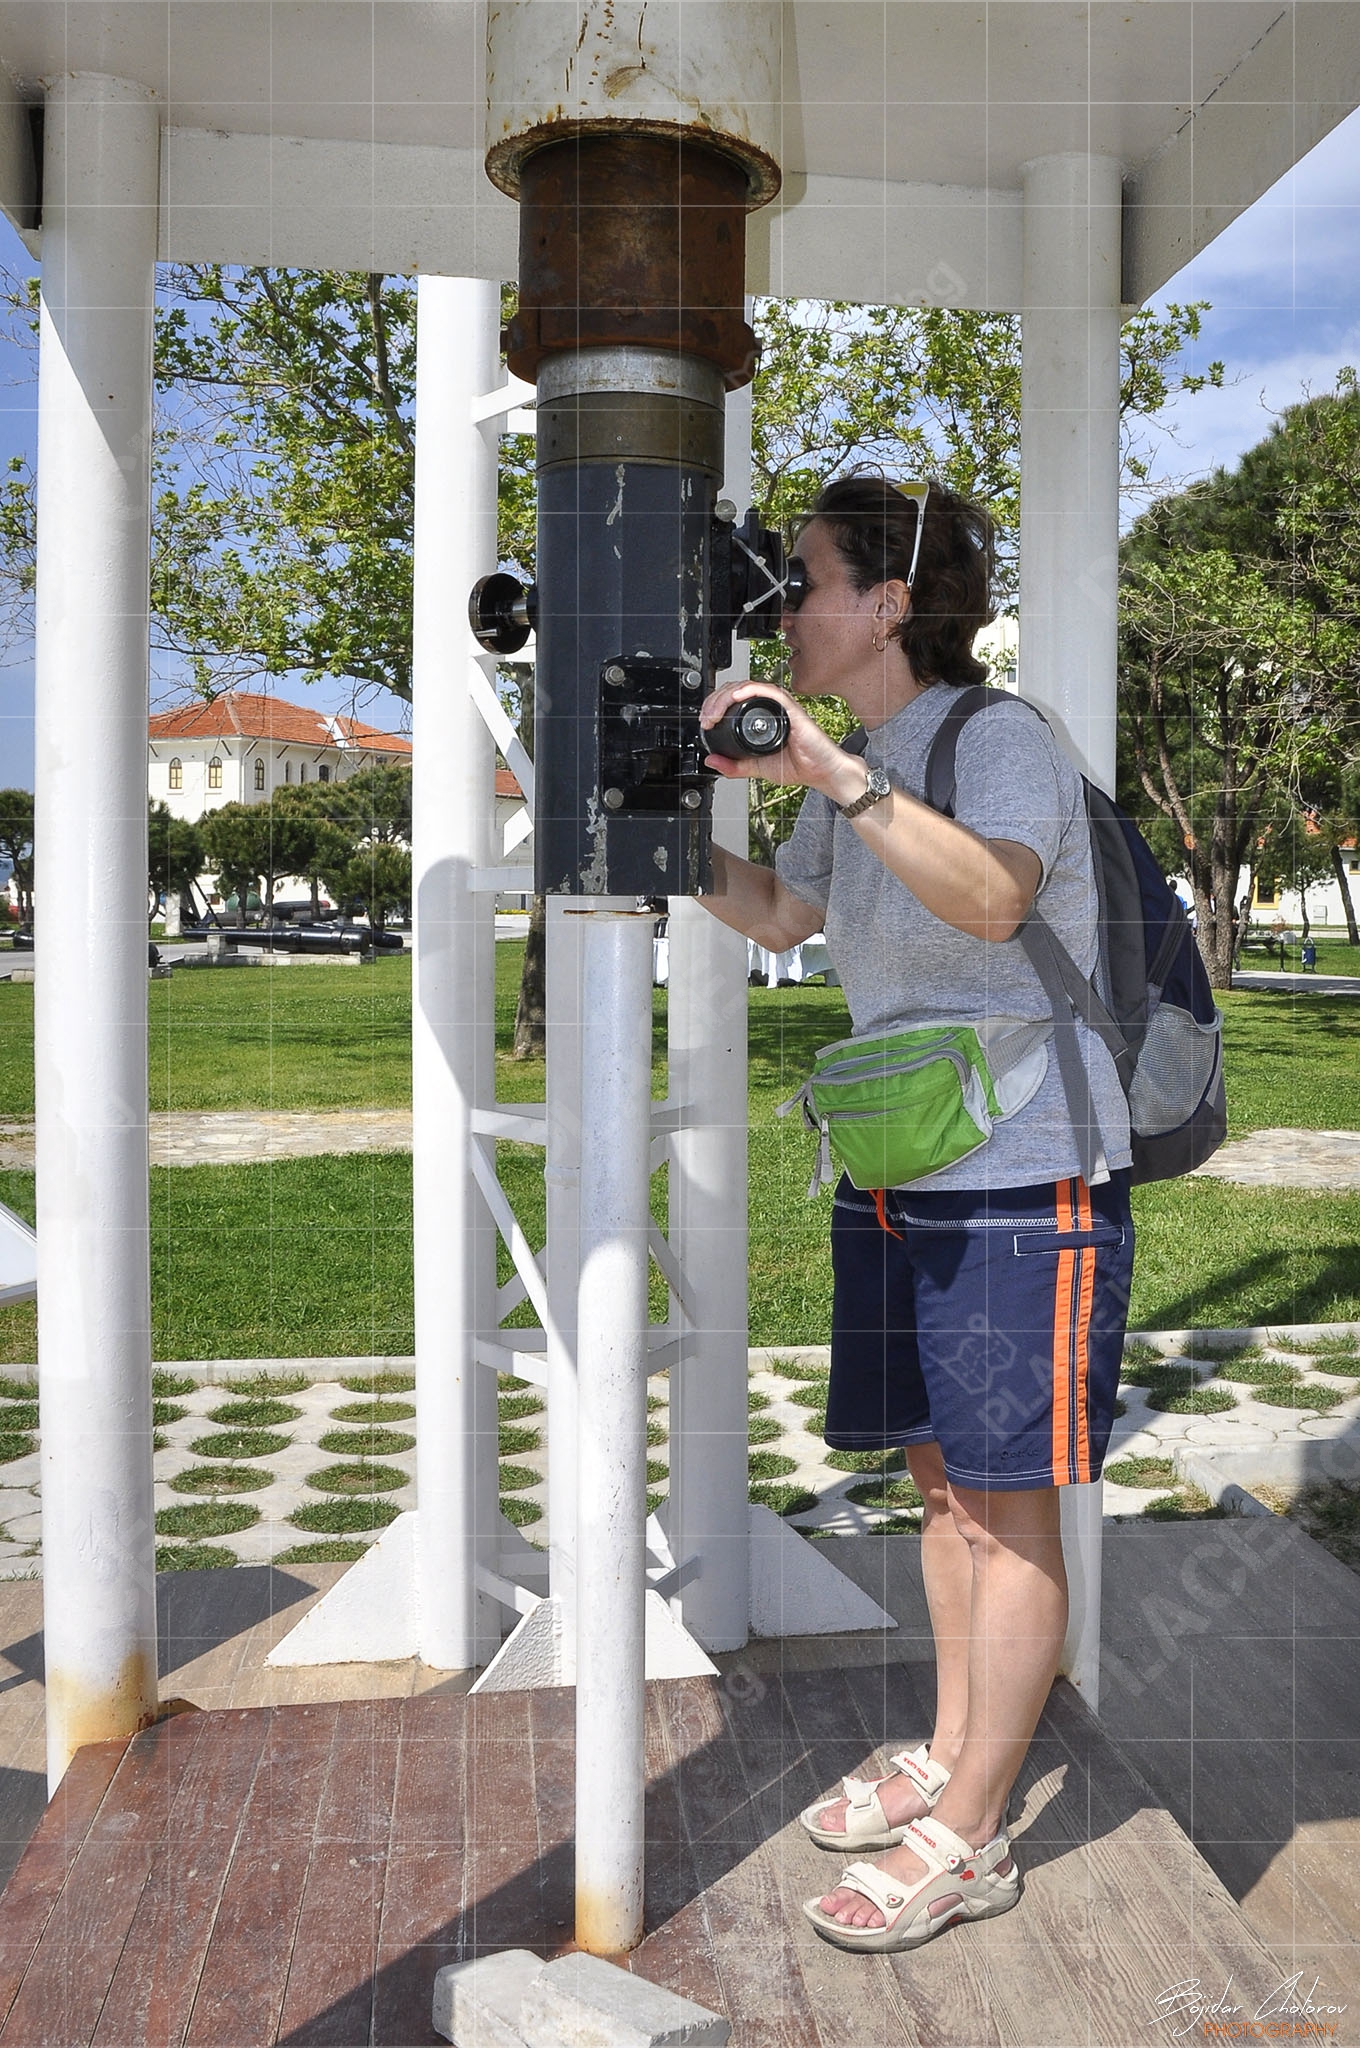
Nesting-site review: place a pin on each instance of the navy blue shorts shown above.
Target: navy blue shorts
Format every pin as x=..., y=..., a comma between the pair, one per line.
x=990, y=1322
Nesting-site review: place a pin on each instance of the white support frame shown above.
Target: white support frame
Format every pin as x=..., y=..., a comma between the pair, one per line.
x=453, y=1015
x=469, y=1575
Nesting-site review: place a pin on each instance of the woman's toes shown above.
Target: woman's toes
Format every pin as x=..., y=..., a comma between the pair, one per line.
x=851, y=1910
x=832, y=1818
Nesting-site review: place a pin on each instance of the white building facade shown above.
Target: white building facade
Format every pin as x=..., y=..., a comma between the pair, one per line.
x=241, y=747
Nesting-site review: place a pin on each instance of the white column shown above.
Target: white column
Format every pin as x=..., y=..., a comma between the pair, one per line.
x=708, y=1512
x=562, y=1255
x=616, y=1073
x=100, y=197
x=1069, y=578
x=1069, y=451
x=453, y=1014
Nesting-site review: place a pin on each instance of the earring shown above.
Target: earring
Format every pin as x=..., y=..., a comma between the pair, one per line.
x=881, y=646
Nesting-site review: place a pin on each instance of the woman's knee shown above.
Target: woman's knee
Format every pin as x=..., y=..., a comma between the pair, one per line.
x=1027, y=1521
x=925, y=1462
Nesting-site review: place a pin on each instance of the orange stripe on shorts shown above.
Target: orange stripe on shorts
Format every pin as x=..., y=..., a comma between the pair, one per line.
x=1074, y=1297
x=1085, y=1297
x=1062, y=1347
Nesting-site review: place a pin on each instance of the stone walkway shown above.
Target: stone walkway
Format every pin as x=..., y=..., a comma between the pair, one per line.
x=280, y=1468
x=1289, y=1159
x=235, y=1137
x=1273, y=1158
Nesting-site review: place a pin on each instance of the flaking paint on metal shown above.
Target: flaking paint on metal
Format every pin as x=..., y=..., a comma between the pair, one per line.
x=595, y=875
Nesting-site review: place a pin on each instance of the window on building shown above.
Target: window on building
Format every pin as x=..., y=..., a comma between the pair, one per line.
x=323, y=773
x=259, y=775
x=1265, y=893
x=177, y=773
x=214, y=773
x=302, y=771
x=1353, y=864
x=287, y=771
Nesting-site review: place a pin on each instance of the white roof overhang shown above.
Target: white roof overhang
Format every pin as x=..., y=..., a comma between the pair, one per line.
x=346, y=134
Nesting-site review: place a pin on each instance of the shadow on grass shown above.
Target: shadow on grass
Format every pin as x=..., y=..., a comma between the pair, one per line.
x=1289, y=1285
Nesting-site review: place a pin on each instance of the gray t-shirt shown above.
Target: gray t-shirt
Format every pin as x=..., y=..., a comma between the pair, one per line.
x=900, y=965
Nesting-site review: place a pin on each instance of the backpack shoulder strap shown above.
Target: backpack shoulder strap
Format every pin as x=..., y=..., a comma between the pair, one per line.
x=941, y=771
x=1070, y=994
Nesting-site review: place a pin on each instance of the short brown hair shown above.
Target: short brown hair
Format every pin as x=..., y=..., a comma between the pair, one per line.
x=873, y=527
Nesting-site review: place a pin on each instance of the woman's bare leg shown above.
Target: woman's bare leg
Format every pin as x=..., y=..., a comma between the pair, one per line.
x=947, y=1569
x=1018, y=1617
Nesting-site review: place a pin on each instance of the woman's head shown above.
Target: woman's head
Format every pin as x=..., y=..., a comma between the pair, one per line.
x=873, y=527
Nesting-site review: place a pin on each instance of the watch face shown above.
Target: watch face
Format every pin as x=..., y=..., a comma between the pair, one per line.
x=878, y=782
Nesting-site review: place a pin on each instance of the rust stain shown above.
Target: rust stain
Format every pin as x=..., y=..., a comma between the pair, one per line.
x=622, y=77
x=598, y=1929
x=111, y=1714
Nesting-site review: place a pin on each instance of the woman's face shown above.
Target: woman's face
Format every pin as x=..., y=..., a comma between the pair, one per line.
x=830, y=637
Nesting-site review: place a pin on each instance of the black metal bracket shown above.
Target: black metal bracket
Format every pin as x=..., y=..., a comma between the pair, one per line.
x=651, y=748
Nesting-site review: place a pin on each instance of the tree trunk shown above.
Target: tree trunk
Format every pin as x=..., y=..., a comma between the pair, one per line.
x=1303, y=913
x=1343, y=883
x=531, y=1012
x=1219, y=935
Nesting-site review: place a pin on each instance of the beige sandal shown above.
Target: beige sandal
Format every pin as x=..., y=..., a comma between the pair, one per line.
x=866, y=1824
x=961, y=1883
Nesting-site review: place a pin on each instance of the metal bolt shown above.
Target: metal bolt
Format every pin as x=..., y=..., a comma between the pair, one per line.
x=693, y=679
x=615, y=674
x=691, y=799
x=613, y=799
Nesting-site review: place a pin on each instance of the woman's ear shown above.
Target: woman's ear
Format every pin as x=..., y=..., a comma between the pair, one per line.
x=894, y=603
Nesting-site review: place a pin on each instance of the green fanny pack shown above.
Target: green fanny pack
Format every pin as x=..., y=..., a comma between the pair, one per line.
x=896, y=1109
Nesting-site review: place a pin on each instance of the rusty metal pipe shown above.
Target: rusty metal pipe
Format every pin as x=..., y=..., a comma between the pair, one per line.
x=632, y=240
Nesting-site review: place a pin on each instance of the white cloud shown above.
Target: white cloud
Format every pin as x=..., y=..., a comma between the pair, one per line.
x=1282, y=285
x=1210, y=429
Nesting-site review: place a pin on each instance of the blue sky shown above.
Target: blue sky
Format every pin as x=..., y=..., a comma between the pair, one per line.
x=1283, y=283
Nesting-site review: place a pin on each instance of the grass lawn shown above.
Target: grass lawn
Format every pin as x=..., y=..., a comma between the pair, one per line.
x=1335, y=953
x=254, y=1038
x=312, y=1257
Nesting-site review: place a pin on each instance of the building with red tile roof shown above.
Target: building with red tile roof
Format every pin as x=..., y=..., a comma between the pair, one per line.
x=242, y=746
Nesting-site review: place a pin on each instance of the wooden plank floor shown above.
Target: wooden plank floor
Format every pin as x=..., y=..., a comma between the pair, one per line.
x=298, y=1873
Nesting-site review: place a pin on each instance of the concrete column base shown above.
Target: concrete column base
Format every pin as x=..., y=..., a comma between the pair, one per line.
x=513, y=2000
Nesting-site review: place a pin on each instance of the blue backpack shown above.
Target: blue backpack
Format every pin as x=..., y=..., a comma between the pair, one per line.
x=1149, y=998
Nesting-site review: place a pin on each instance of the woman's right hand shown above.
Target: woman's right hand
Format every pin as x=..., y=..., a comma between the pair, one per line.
x=808, y=757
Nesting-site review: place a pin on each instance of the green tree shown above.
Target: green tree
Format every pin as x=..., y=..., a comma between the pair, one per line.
x=1240, y=657
x=238, y=842
x=1224, y=682
x=373, y=877
x=16, y=844
x=305, y=837
x=174, y=857
x=363, y=853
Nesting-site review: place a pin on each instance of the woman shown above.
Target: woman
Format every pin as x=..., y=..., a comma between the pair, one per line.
x=979, y=1313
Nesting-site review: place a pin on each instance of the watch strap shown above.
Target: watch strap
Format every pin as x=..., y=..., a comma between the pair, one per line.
x=879, y=787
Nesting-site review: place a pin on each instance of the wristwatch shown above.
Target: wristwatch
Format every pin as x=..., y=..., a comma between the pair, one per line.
x=878, y=787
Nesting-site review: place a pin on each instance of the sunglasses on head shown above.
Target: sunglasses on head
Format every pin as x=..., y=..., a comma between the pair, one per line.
x=795, y=583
